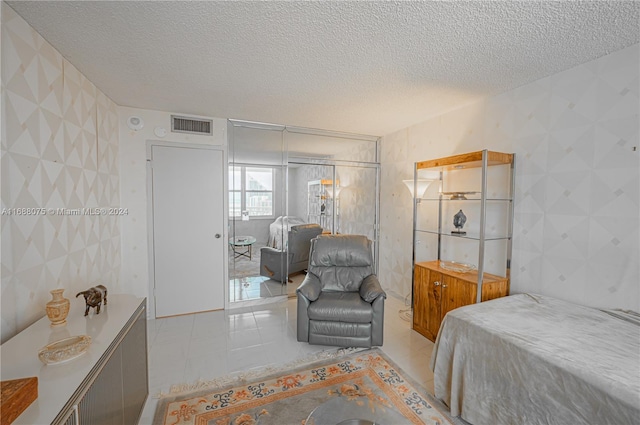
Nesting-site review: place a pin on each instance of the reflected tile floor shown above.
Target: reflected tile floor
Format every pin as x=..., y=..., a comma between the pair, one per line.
x=204, y=346
x=259, y=287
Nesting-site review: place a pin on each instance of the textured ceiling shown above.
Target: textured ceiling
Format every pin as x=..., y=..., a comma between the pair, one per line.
x=365, y=67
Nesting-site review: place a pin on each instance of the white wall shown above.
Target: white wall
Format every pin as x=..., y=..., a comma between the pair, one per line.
x=297, y=193
x=133, y=189
x=577, y=180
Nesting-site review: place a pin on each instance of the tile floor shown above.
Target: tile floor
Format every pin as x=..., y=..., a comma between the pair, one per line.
x=186, y=348
x=257, y=287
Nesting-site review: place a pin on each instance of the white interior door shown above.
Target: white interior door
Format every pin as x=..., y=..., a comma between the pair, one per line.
x=188, y=223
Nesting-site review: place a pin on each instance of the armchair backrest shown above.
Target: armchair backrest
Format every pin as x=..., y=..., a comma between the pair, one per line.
x=300, y=241
x=341, y=261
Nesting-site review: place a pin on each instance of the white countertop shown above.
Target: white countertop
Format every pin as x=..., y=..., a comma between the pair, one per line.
x=57, y=382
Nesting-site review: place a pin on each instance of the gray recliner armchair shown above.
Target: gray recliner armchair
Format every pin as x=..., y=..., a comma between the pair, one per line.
x=273, y=262
x=340, y=301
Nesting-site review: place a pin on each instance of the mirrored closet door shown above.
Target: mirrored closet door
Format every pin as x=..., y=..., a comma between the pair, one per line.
x=288, y=185
x=257, y=189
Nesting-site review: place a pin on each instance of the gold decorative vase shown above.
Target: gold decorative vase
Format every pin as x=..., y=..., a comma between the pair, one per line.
x=58, y=308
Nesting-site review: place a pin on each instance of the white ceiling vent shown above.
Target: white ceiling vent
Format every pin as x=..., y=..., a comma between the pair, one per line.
x=191, y=125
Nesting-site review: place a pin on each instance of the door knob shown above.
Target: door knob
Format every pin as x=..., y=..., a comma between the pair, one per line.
x=436, y=283
x=444, y=286
x=217, y=235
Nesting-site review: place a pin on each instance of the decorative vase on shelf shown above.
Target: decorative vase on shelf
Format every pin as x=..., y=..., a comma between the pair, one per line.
x=58, y=308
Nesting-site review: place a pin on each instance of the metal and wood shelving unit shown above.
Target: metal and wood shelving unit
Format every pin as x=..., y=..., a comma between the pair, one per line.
x=481, y=183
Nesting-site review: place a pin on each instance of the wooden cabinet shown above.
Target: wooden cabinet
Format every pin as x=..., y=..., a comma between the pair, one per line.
x=437, y=291
x=427, y=301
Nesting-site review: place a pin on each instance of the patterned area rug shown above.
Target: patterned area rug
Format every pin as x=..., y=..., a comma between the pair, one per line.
x=363, y=385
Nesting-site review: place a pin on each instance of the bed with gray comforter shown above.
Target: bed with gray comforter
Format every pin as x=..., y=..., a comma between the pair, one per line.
x=532, y=359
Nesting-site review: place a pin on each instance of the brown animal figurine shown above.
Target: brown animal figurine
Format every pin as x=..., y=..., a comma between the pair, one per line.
x=93, y=298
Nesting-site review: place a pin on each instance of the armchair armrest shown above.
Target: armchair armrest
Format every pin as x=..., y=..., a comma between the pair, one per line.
x=310, y=287
x=270, y=250
x=371, y=289
x=273, y=263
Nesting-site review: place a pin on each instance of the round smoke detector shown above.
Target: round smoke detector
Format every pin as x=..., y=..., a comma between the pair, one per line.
x=135, y=123
x=160, y=131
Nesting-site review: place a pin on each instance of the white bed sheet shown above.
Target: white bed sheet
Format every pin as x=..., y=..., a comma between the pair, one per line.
x=279, y=230
x=532, y=359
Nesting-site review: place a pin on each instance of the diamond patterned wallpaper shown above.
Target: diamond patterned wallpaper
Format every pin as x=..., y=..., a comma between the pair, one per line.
x=576, y=230
x=358, y=195
x=59, y=151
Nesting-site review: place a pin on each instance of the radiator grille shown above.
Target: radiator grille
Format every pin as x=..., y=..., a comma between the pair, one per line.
x=181, y=124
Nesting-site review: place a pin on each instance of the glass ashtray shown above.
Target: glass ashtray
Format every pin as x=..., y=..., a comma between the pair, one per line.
x=455, y=266
x=65, y=349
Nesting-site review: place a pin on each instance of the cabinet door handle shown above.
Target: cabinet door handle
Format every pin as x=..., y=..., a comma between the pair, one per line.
x=436, y=283
x=444, y=286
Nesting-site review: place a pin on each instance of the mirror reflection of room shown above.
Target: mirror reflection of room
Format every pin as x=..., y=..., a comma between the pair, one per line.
x=256, y=198
x=286, y=188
